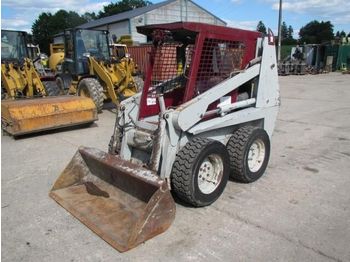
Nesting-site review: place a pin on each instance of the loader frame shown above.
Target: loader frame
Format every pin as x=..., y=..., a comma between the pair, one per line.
x=193, y=118
x=207, y=111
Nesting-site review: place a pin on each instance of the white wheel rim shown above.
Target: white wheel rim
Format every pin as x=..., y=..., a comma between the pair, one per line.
x=210, y=173
x=256, y=155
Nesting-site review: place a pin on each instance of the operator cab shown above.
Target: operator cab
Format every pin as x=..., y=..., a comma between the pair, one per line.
x=13, y=46
x=189, y=58
x=79, y=45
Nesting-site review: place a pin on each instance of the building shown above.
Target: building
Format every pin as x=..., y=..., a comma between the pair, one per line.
x=165, y=12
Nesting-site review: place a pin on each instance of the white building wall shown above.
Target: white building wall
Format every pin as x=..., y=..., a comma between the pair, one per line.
x=118, y=29
x=180, y=10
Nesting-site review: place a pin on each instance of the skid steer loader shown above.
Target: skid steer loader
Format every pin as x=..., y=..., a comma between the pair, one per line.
x=20, y=83
x=88, y=70
x=207, y=111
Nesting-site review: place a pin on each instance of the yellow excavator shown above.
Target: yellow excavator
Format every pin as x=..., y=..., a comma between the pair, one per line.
x=89, y=70
x=25, y=104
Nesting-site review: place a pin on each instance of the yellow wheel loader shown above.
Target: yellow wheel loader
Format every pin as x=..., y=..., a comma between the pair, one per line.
x=25, y=107
x=207, y=111
x=121, y=54
x=89, y=70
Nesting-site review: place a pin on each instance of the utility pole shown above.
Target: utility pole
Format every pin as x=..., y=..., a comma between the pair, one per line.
x=279, y=32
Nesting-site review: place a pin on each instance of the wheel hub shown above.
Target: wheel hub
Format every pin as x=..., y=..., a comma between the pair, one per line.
x=256, y=155
x=210, y=173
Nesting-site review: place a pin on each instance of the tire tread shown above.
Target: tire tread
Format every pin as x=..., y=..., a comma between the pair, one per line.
x=186, y=157
x=95, y=90
x=236, y=147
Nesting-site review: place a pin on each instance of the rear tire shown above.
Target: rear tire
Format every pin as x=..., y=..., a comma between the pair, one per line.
x=90, y=87
x=51, y=88
x=200, y=171
x=249, y=150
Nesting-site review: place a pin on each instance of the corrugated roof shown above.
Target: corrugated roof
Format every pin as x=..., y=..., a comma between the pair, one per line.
x=125, y=15
x=135, y=12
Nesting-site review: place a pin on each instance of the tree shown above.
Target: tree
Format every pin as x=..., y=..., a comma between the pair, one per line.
x=89, y=16
x=337, y=34
x=290, y=32
x=122, y=6
x=261, y=28
x=284, y=31
x=47, y=25
x=41, y=31
x=316, y=32
x=287, y=34
x=342, y=34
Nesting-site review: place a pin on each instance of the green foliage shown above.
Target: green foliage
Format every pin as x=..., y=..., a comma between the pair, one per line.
x=290, y=32
x=289, y=41
x=122, y=6
x=286, y=50
x=287, y=35
x=261, y=28
x=47, y=25
x=342, y=34
x=284, y=31
x=316, y=32
x=41, y=31
x=89, y=16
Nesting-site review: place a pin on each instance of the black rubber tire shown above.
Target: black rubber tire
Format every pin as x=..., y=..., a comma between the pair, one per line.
x=238, y=148
x=51, y=88
x=184, y=176
x=93, y=89
x=60, y=85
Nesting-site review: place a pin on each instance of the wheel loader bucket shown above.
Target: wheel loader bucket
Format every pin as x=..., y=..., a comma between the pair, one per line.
x=23, y=116
x=124, y=203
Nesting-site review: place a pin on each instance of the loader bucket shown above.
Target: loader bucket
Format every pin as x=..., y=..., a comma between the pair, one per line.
x=124, y=203
x=19, y=117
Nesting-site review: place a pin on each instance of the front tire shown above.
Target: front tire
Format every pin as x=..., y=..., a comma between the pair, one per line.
x=51, y=88
x=200, y=171
x=90, y=87
x=249, y=150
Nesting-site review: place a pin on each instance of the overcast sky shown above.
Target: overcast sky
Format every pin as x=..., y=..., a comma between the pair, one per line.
x=237, y=13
